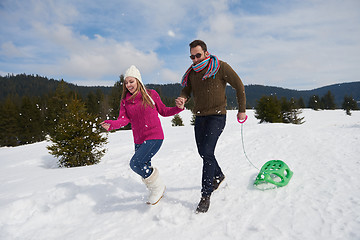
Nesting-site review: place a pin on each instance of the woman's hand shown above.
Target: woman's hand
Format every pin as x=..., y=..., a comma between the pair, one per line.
x=105, y=125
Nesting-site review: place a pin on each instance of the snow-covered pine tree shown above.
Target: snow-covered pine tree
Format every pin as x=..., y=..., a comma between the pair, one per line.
x=77, y=139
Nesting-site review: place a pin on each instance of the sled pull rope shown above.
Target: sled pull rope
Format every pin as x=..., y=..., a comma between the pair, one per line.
x=242, y=140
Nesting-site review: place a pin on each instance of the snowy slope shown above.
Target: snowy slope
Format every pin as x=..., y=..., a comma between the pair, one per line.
x=106, y=201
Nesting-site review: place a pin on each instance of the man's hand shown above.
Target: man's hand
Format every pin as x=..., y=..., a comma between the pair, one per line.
x=180, y=102
x=241, y=116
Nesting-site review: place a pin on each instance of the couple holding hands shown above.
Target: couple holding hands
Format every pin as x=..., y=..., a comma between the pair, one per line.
x=205, y=81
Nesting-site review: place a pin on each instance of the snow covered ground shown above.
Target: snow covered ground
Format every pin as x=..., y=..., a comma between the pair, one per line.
x=107, y=201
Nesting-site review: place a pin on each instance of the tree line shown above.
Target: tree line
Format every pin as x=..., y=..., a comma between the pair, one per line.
x=26, y=119
x=32, y=118
x=35, y=85
x=274, y=110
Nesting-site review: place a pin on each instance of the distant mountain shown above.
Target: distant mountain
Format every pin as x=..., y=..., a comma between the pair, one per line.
x=34, y=85
x=339, y=91
x=255, y=92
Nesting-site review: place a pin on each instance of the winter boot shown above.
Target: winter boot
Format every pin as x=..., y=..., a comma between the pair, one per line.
x=217, y=181
x=155, y=186
x=204, y=205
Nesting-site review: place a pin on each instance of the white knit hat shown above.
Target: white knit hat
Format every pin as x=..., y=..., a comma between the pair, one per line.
x=134, y=72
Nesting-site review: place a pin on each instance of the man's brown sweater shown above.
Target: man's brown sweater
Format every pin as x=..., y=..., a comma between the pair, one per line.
x=209, y=94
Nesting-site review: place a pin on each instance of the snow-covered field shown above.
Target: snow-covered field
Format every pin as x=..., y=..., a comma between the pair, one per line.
x=107, y=201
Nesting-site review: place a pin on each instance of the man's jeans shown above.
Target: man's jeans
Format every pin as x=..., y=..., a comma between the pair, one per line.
x=207, y=132
x=141, y=161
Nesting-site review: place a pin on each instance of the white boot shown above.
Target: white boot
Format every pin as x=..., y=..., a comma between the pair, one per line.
x=155, y=186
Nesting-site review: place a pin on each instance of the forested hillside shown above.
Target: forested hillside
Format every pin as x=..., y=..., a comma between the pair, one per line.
x=31, y=106
x=37, y=86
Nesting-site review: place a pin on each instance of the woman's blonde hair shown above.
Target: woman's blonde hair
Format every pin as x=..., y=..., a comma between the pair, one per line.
x=140, y=88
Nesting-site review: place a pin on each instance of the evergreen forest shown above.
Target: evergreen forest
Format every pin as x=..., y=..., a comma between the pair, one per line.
x=31, y=106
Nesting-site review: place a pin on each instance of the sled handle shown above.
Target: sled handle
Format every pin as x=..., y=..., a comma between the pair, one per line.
x=242, y=120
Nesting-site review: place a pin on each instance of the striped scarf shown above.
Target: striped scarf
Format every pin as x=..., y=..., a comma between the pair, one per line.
x=213, y=68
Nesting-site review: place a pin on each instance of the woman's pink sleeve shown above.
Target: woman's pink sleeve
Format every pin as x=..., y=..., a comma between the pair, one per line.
x=122, y=120
x=161, y=108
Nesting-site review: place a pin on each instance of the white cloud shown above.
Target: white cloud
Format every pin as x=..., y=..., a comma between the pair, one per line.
x=168, y=76
x=98, y=57
x=8, y=49
x=296, y=44
x=171, y=33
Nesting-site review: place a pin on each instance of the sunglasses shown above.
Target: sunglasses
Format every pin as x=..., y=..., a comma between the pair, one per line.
x=198, y=55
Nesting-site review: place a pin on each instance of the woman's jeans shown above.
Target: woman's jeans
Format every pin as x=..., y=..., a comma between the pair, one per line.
x=207, y=132
x=141, y=161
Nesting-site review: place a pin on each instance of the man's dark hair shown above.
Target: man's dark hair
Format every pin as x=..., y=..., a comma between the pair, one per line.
x=200, y=43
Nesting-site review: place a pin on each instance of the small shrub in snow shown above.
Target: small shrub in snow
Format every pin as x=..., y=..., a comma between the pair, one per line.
x=177, y=121
x=77, y=138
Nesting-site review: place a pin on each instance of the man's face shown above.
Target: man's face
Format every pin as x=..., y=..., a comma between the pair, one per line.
x=198, y=54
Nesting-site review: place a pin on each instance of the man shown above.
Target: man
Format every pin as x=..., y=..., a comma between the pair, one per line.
x=206, y=80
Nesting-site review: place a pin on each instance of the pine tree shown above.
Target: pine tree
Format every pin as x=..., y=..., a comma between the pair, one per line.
x=102, y=111
x=93, y=103
x=77, y=139
x=115, y=98
x=290, y=111
x=268, y=109
x=314, y=102
x=30, y=122
x=328, y=101
x=301, y=103
x=349, y=104
x=9, y=129
x=56, y=106
x=177, y=121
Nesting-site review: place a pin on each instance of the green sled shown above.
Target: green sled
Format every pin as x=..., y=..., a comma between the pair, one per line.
x=274, y=173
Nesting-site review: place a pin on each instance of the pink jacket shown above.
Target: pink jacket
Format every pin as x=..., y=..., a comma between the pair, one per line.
x=145, y=122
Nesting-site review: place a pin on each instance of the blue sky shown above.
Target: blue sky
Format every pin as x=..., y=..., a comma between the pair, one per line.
x=286, y=43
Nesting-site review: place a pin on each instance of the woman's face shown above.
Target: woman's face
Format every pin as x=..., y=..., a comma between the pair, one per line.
x=131, y=84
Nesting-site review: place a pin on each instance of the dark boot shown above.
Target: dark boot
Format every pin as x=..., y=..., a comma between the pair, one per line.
x=204, y=205
x=217, y=181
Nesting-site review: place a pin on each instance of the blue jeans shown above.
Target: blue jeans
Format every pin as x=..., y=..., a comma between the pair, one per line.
x=207, y=132
x=141, y=161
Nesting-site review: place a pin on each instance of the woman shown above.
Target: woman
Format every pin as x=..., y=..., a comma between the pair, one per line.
x=141, y=107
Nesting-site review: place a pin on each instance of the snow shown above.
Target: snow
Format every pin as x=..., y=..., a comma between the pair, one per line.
x=107, y=201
